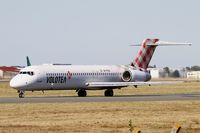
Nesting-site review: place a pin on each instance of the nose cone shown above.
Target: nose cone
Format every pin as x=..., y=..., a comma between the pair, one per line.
x=17, y=82
x=12, y=83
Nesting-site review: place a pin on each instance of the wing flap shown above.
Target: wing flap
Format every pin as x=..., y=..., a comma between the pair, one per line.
x=125, y=84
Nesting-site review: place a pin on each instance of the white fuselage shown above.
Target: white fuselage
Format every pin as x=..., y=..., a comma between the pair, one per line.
x=83, y=77
x=67, y=77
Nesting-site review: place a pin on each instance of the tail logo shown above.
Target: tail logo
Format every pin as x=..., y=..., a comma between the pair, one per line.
x=145, y=53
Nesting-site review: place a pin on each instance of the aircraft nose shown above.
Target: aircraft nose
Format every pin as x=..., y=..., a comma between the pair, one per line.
x=17, y=83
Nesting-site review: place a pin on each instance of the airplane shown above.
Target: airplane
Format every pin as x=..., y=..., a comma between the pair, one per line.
x=89, y=77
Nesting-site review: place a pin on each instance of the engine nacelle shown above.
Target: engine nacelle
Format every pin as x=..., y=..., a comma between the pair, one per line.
x=126, y=76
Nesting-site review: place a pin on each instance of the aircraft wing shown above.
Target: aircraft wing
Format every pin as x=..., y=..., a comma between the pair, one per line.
x=125, y=84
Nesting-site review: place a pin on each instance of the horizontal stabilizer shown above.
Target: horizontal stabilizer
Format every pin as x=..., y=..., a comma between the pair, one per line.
x=165, y=43
x=147, y=48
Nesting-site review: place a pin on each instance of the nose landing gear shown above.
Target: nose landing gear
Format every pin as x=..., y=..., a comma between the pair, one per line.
x=21, y=94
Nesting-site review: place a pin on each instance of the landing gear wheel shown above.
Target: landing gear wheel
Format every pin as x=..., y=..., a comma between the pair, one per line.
x=82, y=93
x=21, y=94
x=108, y=93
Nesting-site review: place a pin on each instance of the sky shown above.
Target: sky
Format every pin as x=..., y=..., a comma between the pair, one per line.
x=97, y=31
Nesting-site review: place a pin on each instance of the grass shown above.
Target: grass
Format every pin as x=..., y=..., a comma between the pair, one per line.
x=149, y=117
x=186, y=87
x=113, y=117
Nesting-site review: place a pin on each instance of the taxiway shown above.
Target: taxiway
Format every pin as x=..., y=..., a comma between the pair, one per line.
x=128, y=98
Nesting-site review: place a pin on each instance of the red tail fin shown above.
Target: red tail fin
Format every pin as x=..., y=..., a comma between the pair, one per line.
x=145, y=53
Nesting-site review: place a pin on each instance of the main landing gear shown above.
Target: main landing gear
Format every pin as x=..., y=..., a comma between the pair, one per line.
x=21, y=94
x=108, y=93
x=82, y=93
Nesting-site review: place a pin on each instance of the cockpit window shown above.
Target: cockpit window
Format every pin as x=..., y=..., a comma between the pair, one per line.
x=27, y=72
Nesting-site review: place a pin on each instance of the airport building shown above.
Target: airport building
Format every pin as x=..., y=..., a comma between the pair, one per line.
x=1, y=73
x=161, y=73
x=8, y=72
x=157, y=73
x=193, y=75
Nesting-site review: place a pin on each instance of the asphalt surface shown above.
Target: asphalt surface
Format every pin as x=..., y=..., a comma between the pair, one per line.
x=132, y=98
x=4, y=81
